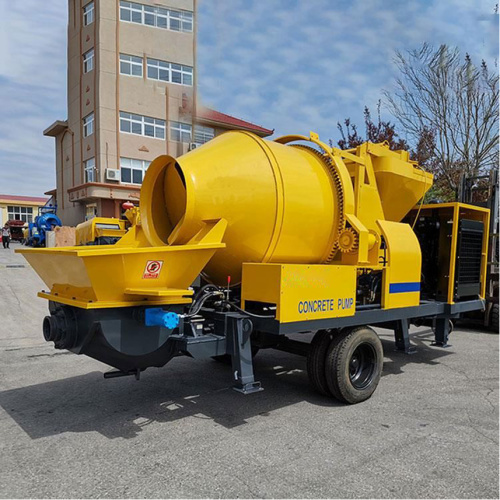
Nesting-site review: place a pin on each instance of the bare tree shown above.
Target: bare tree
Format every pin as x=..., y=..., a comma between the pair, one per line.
x=453, y=106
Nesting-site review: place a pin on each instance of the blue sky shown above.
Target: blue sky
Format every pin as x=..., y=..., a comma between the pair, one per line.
x=291, y=65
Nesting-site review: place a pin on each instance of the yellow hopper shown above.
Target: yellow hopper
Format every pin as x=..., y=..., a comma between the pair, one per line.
x=82, y=276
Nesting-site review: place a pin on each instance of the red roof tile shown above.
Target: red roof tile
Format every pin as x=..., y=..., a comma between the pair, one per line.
x=217, y=116
x=28, y=199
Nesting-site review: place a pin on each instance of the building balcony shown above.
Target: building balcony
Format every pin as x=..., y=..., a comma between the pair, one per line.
x=96, y=190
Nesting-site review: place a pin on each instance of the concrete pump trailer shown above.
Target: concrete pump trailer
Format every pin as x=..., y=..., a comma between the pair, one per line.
x=288, y=236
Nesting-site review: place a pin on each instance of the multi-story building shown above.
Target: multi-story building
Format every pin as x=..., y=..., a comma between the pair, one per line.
x=131, y=97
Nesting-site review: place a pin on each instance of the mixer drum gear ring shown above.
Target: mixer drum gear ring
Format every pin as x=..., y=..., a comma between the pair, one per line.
x=339, y=191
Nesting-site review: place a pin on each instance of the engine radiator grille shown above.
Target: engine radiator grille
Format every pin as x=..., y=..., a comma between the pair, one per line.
x=468, y=263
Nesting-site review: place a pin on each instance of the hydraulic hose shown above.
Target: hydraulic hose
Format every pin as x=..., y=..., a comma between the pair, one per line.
x=196, y=307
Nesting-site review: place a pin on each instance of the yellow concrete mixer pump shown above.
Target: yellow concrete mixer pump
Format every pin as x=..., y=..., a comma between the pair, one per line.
x=288, y=236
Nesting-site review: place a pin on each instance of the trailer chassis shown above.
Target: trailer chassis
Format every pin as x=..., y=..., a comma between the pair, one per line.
x=123, y=338
x=234, y=332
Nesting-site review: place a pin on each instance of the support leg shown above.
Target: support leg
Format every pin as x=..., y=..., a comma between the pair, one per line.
x=239, y=331
x=402, y=337
x=441, y=332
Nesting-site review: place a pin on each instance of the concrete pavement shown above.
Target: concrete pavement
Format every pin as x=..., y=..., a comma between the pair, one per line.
x=430, y=430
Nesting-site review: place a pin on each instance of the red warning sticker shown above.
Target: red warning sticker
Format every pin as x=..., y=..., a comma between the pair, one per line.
x=153, y=268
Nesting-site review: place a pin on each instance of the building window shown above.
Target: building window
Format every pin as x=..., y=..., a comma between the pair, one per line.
x=158, y=70
x=130, y=65
x=181, y=74
x=175, y=20
x=90, y=172
x=142, y=125
x=203, y=134
x=88, y=14
x=88, y=125
x=131, y=12
x=180, y=132
x=88, y=61
x=133, y=171
x=20, y=213
x=169, y=72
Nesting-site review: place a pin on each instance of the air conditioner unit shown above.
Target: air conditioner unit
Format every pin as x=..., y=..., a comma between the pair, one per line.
x=112, y=174
x=192, y=145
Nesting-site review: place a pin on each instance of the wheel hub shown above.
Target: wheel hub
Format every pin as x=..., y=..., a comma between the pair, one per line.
x=362, y=366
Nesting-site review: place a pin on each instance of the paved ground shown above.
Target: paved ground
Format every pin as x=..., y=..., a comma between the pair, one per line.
x=430, y=430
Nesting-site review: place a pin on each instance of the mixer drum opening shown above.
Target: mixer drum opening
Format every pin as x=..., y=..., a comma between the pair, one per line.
x=175, y=195
x=164, y=181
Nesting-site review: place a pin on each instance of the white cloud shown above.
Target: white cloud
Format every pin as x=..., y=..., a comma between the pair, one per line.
x=311, y=64
x=292, y=65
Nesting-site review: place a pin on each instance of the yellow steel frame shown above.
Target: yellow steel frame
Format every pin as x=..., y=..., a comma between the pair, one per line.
x=104, y=304
x=458, y=211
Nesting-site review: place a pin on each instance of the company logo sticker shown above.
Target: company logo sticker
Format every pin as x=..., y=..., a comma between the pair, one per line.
x=153, y=268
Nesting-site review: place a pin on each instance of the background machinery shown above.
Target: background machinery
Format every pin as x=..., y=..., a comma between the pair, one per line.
x=46, y=220
x=290, y=236
x=100, y=231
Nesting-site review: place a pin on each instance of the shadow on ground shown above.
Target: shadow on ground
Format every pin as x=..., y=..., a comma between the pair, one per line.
x=119, y=408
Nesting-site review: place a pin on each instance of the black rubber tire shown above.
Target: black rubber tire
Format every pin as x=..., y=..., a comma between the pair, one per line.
x=338, y=359
x=316, y=361
x=494, y=318
x=225, y=359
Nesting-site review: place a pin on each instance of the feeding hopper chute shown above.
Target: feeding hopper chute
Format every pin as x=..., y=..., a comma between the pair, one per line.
x=117, y=276
x=400, y=182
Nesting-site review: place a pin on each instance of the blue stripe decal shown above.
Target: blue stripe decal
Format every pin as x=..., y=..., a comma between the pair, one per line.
x=404, y=287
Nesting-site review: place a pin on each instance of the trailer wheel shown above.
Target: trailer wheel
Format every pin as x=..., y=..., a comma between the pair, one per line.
x=316, y=361
x=494, y=317
x=353, y=364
